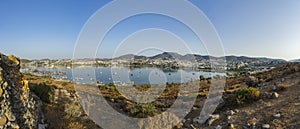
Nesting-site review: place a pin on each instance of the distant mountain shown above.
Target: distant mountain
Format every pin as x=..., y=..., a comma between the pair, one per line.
x=167, y=56
x=250, y=59
x=295, y=60
x=189, y=57
x=130, y=57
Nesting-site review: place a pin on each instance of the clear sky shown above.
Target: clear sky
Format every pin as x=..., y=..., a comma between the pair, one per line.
x=37, y=29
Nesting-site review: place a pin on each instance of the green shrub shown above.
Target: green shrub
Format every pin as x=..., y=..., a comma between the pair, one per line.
x=209, y=80
x=72, y=110
x=111, y=84
x=235, y=86
x=109, y=88
x=246, y=95
x=64, y=84
x=167, y=83
x=48, y=82
x=43, y=91
x=143, y=87
x=160, y=104
x=76, y=125
x=202, y=78
x=143, y=110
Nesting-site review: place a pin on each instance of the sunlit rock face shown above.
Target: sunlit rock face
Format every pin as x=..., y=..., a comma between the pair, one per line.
x=18, y=107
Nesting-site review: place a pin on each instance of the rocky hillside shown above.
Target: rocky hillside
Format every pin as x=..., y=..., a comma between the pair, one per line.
x=296, y=60
x=19, y=108
x=267, y=100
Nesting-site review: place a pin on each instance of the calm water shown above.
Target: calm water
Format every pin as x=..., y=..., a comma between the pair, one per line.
x=146, y=75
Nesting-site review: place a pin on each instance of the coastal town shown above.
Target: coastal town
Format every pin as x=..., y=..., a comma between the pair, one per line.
x=167, y=60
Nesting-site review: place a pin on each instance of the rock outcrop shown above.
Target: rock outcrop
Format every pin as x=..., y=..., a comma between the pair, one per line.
x=19, y=108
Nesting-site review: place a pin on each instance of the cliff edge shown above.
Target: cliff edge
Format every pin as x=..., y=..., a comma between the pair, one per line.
x=19, y=108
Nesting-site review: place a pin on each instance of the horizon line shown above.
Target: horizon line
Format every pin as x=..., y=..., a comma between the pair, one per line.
x=162, y=53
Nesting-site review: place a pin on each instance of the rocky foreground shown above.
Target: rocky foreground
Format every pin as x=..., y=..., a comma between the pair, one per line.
x=32, y=102
x=19, y=107
x=277, y=106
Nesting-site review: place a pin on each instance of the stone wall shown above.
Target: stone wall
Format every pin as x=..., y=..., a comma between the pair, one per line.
x=19, y=108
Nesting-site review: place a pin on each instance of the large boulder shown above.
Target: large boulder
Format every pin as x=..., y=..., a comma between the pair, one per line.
x=252, y=81
x=166, y=120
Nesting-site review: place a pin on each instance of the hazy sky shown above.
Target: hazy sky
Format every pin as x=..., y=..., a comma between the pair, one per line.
x=36, y=29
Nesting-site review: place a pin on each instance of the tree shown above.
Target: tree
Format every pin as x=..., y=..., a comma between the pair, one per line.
x=202, y=78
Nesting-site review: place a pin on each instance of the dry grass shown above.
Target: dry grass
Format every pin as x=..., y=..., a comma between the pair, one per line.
x=164, y=101
x=282, y=87
x=76, y=125
x=61, y=115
